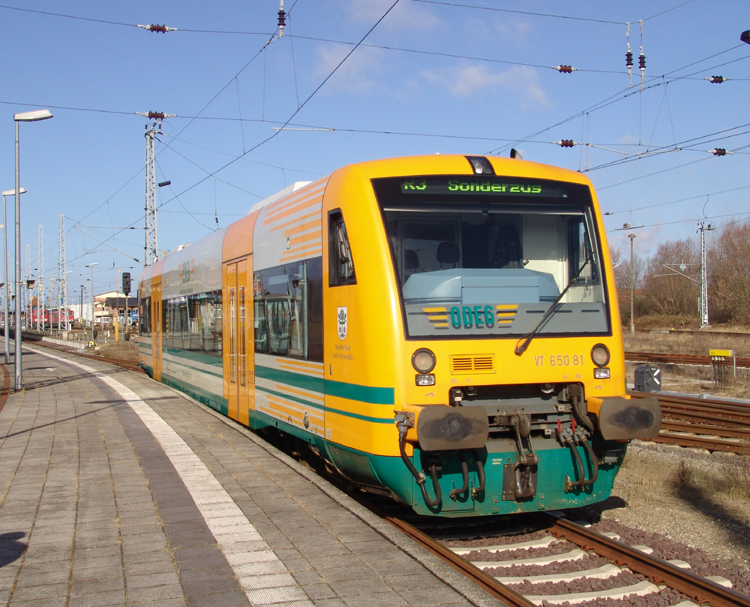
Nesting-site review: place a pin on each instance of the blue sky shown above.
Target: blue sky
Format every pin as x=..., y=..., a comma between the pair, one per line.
x=469, y=77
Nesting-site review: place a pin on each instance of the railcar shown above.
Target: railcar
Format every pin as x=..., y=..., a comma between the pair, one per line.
x=440, y=329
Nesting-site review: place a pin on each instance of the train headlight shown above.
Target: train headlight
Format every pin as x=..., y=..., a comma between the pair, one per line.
x=423, y=361
x=600, y=355
x=425, y=379
x=601, y=373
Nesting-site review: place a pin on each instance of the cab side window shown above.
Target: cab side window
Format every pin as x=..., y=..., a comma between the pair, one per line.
x=341, y=264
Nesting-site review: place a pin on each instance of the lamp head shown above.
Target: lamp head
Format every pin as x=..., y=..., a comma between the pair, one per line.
x=13, y=192
x=32, y=116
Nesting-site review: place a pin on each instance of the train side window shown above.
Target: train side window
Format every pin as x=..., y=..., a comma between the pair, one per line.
x=279, y=322
x=261, y=326
x=314, y=271
x=341, y=264
x=144, y=316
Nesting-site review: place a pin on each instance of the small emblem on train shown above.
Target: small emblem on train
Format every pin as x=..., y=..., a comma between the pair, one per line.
x=343, y=318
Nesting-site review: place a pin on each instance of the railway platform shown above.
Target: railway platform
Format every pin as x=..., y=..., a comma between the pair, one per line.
x=117, y=490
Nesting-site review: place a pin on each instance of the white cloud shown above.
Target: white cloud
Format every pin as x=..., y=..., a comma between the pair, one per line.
x=360, y=72
x=520, y=82
x=405, y=15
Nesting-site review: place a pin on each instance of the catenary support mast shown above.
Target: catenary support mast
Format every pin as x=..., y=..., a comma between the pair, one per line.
x=40, y=291
x=62, y=288
x=151, y=250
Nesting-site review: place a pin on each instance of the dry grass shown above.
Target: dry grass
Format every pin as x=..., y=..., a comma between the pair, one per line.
x=725, y=477
x=693, y=379
x=121, y=350
x=687, y=342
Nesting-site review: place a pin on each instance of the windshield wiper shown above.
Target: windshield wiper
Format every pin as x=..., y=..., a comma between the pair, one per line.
x=520, y=349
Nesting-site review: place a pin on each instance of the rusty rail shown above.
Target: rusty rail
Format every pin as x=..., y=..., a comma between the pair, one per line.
x=683, y=359
x=699, y=589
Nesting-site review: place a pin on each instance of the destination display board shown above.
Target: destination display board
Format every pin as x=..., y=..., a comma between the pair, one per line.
x=488, y=186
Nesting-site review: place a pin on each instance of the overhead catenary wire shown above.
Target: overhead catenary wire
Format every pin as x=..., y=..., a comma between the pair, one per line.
x=402, y=133
x=287, y=122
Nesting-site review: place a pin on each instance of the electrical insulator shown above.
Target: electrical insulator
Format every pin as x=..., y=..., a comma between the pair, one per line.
x=718, y=152
x=628, y=59
x=566, y=143
x=158, y=28
x=282, y=18
x=716, y=79
x=156, y=115
x=642, y=61
x=564, y=69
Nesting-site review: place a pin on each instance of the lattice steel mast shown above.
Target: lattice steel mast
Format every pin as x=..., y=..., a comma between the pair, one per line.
x=40, y=297
x=704, y=274
x=62, y=282
x=150, y=248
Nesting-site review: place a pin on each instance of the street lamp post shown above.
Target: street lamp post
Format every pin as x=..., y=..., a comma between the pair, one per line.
x=95, y=263
x=632, y=284
x=34, y=116
x=6, y=272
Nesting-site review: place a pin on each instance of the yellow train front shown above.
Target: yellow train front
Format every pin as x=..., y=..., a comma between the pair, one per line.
x=441, y=329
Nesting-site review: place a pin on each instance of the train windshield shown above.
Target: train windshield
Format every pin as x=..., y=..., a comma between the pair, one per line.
x=488, y=256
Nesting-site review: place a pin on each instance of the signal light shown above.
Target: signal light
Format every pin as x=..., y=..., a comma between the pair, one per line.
x=126, y=283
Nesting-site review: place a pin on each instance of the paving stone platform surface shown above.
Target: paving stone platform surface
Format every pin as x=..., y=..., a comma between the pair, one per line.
x=117, y=490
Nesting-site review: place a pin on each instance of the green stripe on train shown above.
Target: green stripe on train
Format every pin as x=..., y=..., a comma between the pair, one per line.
x=366, y=418
x=216, y=402
x=195, y=356
x=364, y=394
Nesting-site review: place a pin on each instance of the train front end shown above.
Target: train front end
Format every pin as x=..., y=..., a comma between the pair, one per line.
x=505, y=347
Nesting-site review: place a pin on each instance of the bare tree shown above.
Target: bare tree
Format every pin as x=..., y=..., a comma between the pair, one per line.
x=729, y=274
x=672, y=281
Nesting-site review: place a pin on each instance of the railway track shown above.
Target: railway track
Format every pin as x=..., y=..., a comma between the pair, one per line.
x=652, y=575
x=683, y=359
x=711, y=424
x=584, y=566
x=130, y=366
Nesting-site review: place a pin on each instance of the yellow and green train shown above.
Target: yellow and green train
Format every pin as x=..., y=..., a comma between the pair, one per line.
x=440, y=329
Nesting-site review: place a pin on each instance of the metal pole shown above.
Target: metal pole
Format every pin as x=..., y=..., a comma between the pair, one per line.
x=7, y=283
x=92, y=299
x=17, y=278
x=632, y=285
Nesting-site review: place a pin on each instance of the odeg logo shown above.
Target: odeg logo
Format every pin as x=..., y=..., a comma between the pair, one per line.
x=343, y=318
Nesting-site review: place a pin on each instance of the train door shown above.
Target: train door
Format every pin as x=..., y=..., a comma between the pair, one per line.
x=239, y=354
x=156, y=331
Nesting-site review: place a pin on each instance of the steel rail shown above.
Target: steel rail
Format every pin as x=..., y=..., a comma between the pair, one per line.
x=701, y=442
x=676, y=412
x=486, y=582
x=684, y=359
x=658, y=571
x=720, y=431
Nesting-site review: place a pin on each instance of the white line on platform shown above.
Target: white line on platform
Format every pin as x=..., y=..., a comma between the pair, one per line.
x=216, y=506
